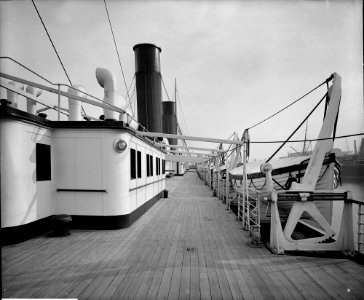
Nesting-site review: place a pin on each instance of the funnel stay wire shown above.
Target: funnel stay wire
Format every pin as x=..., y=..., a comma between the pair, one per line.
x=117, y=51
x=289, y=105
x=299, y=126
x=54, y=47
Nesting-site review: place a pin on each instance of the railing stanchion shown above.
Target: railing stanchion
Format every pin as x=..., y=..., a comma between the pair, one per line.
x=59, y=103
x=360, y=228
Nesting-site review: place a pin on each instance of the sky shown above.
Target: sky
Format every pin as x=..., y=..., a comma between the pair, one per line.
x=235, y=62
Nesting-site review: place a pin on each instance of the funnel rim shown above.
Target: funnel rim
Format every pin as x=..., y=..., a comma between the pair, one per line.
x=147, y=45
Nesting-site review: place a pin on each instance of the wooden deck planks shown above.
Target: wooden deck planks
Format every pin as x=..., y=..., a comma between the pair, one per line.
x=203, y=278
x=152, y=279
x=185, y=247
x=349, y=282
x=301, y=278
x=35, y=276
x=215, y=290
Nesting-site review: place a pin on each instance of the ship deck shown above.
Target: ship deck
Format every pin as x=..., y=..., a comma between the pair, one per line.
x=187, y=246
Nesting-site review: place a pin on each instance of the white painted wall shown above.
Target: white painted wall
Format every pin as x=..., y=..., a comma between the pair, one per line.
x=85, y=159
x=80, y=159
x=78, y=165
x=23, y=199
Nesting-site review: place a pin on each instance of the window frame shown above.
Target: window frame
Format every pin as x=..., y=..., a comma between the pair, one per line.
x=139, y=164
x=43, y=162
x=133, y=171
x=151, y=165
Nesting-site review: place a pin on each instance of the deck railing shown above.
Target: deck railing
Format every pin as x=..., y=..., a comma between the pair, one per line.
x=56, y=89
x=214, y=183
x=248, y=208
x=222, y=187
x=360, y=227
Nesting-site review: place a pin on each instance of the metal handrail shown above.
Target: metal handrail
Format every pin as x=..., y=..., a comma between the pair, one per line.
x=360, y=227
x=248, y=211
x=59, y=92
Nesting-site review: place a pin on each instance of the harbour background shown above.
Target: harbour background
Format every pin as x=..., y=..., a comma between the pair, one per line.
x=354, y=181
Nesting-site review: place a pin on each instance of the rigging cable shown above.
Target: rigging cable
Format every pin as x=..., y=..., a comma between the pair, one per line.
x=307, y=140
x=54, y=47
x=178, y=126
x=133, y=101
x=117, y=51
x=30, y=70
x=284, y=108
x=66, y=85
x=299, y=126
x=52, y=83
x=165, y=90
x=131, y=98
x=180, y=107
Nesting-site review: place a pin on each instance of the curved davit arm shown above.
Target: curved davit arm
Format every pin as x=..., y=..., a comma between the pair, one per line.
x=322, y=146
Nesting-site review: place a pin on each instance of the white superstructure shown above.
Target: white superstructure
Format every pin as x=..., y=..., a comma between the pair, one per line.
x=102, y=173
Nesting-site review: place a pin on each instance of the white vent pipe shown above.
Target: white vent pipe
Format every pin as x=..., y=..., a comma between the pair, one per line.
x=107, y=80
x=74, y=106
x=31, y=104
x=12, y=96
x=126, y=118
x=165, y=141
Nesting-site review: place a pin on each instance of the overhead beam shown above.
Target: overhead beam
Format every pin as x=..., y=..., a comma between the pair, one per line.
x=191, y=138
x=183, y=158
x=190, y=147
x=191, y=153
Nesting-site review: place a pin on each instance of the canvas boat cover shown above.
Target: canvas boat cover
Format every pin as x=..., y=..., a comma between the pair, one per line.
x=280, y=165
x=222, y=168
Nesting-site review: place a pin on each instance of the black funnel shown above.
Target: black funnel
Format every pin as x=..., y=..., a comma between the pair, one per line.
x=169, y=120
x=148, y=86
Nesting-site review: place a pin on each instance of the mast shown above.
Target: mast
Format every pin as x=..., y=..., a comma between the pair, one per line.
x=175, y=98
x=175, y=89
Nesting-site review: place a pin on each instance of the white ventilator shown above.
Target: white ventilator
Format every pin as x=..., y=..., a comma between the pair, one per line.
x=126, y=117
x=108, y=81
x=12, y=96
x=31, y=104
x=74, y=106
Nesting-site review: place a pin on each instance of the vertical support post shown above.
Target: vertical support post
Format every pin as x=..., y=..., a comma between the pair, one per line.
x=227, y=188
x=360, y=227
x=59, y=102
x=218, y=183
x=258, y=210
x=347, y=228
x=240, y=206
x=275, y=223
x=245, y=212
x=245, y=186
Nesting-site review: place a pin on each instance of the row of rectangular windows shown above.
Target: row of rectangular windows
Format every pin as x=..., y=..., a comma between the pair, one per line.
x=43, y=163
x=136, y=164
